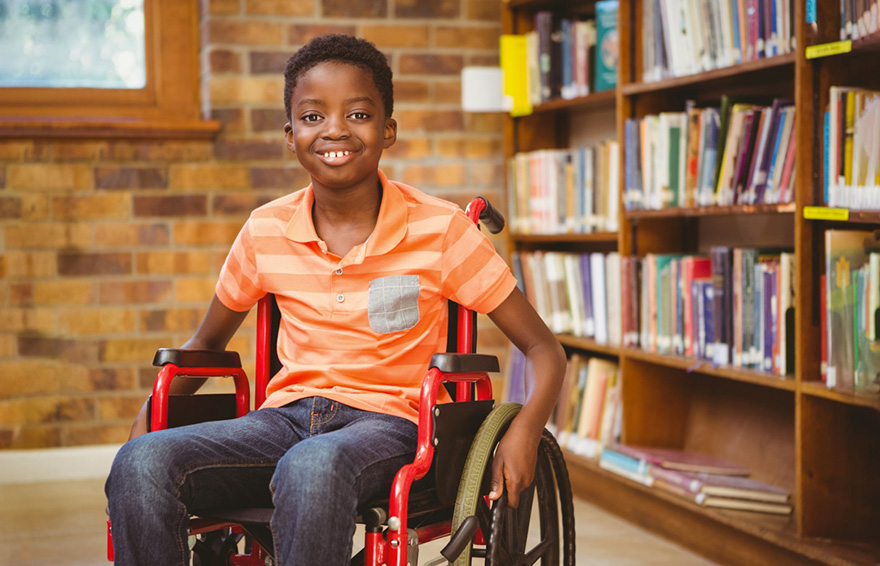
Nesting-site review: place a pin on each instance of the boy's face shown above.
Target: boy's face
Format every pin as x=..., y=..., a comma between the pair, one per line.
x=338, y=127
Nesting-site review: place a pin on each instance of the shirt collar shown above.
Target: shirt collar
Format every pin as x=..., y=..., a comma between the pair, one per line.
x=390, y=226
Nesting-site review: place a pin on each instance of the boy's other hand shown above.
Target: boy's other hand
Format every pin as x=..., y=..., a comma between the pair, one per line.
x=513, y=467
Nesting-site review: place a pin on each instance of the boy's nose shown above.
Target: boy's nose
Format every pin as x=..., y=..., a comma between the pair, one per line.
x=336, y=127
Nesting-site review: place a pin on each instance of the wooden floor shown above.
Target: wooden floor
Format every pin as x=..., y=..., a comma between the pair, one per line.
x=64, y=524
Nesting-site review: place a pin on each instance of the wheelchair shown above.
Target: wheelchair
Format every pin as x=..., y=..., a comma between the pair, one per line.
x=443, y=492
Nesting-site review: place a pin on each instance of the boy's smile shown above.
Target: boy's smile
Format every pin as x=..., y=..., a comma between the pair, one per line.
x=338, y=127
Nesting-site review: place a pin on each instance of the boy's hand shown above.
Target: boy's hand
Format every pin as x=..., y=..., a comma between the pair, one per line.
x=514, y=463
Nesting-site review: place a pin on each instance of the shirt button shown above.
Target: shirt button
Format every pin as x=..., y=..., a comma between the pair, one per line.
x=339, y=271
x=340, y=297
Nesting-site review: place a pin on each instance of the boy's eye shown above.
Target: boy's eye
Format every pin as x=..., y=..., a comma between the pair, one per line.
x=311, y=118
x=360, y=115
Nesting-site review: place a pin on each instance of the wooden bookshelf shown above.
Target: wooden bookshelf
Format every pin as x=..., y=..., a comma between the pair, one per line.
x=823, y=444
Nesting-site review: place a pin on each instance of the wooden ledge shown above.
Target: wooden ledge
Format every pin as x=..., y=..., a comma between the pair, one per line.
x=103, y=127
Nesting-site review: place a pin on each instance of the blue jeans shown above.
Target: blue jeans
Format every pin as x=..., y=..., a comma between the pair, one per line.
x=316, y=460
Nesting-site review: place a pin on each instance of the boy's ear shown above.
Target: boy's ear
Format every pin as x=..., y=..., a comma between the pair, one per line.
x=288, y=138
x=390, y=132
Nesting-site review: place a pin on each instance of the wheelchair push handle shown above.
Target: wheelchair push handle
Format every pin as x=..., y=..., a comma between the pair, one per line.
x=481, y=208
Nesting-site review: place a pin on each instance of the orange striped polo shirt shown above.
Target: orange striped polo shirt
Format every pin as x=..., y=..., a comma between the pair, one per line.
x=361, y=329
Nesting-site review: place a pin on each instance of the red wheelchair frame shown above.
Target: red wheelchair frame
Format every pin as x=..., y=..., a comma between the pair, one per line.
x=390, y=548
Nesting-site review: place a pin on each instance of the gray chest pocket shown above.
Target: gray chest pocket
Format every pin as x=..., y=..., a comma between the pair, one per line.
x=394, y=303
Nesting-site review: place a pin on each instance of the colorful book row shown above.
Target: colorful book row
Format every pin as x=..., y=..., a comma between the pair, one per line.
x=565, y=191
x=575, y=293
x=683, y=37
x=734, y=307
x=568, y=57
x=739, y=153
x=859, y=18
x=587, y=415
x=852, y=149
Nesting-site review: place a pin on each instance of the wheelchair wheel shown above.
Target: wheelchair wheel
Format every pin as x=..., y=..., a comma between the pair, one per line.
x=541, y=529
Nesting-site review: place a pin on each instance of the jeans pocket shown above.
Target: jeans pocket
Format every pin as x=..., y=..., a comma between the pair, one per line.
x=394, y=303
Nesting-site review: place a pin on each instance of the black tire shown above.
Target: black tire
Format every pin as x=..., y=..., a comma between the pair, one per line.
x=504, y=528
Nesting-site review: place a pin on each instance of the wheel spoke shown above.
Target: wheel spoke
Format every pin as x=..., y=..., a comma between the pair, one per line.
x=534, y=554
x=523, y=514
x=484, y=515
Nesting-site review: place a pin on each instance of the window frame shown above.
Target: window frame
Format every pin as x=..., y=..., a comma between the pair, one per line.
x=167, y=107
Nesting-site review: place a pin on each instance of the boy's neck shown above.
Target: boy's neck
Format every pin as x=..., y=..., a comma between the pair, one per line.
x=344, y=220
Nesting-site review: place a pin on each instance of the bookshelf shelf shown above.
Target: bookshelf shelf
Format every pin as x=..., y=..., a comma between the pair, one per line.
x=868, y=44
x=594, y=237
x=677, y=518
x=686, y=212
x=841, y=395
x=771, y=65
x=594, y=101
x=587, y=344
x=705, y=367
x=821, y=444
x=864, y=216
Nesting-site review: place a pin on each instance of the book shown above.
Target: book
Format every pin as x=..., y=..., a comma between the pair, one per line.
x=626, y=466
x=607, y=45
x=569, y=397
x=694, y=268
x=598, y=299
x=744, y=505
x=587, y=279
x=513, y=60
x=844, y=253
x=703, y=314
x=710, y=123
x=600, y=373
x=722, y=281
x=682, y=460
x=574, y=287
x=785, y=363
x=719, y=485
x=560, y=307
x=745, y=155
x=613, y=297
x=692, y=157
x=633, y=195
x=741, y=117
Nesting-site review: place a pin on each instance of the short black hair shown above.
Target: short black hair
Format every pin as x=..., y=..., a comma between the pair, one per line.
x=344, y=49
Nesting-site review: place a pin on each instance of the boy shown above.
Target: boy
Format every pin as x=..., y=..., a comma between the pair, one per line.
x=361, y=267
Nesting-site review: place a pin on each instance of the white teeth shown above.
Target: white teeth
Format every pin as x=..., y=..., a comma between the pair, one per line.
x=329, y=154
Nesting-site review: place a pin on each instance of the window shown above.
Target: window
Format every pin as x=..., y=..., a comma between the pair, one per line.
x=100, y=68
x=72, y=43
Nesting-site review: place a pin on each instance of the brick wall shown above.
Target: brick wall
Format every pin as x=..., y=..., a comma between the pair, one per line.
x=110, y=249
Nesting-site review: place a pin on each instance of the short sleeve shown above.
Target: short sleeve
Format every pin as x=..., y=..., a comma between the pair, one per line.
x=238, y=286
x=473, y=274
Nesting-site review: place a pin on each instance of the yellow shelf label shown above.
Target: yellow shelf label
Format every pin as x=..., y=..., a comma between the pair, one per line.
x=825, y=213
x=826, y=49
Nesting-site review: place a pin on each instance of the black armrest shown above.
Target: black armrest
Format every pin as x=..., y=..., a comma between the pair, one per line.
x=465, y=363
x=197, y=358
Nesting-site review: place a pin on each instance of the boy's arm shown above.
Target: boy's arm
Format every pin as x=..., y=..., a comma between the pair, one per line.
x=517, y=453
x=217, y=328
